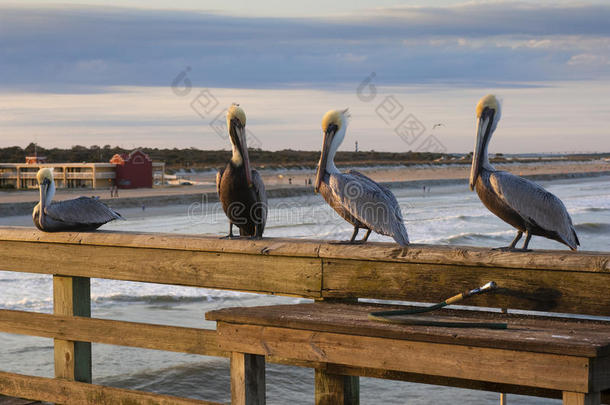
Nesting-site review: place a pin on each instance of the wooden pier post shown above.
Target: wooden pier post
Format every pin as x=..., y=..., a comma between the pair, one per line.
x=72, y=297
x=579, y=398
x=503, y=399
x=333, y=389
x=247, y=379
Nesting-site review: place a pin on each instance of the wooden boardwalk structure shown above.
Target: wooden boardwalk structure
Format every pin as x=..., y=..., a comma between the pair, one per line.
x=552, y=281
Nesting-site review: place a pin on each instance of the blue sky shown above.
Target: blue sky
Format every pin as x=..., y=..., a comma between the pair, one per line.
x=88, y=48
x=502, y=41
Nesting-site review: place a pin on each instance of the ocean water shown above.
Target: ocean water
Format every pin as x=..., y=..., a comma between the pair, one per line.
x=442, y=215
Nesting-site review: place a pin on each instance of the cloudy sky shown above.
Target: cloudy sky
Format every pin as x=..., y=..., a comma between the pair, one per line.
x=86, y=72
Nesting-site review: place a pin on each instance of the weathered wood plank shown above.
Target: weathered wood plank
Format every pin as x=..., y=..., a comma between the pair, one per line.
x=197, y=243
x=247, y=379
x=299, y=276
x=560, y=259
x=474, y=363
x=77, y=393
x=443, y=381
x=72, y=297
x=538, y=290
x=559, y=281
x=148, y=336
x=578, y=398
x=341, y=369
x=525, y=333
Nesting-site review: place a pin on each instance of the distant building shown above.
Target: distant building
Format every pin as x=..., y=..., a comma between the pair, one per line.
x=134, y=170
x=130, y=171
x=34, y=160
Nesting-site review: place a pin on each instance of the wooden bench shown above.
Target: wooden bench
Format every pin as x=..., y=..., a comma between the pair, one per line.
x=536, y=355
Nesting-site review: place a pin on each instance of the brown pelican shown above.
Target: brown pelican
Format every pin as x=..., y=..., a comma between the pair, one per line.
x=517, y=201
x=240, y=189
x=80, y=214
x=356, y=198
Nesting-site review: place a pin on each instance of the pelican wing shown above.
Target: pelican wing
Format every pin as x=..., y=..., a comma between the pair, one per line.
x=82, y=210
x=372, y=204
x=535, y=205
x=389, y=195
x=261, y=197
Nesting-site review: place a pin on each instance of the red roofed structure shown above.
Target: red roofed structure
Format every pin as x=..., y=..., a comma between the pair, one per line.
x=134, y=170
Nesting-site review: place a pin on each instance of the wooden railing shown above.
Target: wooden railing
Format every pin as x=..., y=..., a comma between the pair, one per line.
x=557, y=281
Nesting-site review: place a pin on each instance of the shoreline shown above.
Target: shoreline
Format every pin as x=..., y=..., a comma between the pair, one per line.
x=186, y=195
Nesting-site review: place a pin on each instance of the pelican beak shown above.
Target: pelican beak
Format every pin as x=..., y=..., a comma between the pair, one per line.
x=329, y=134
x=483, y=133
x=44, y=189
x=238, y=136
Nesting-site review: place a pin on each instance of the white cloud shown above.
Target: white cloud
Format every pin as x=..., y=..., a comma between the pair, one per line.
x=499, y=41
x=588, y=59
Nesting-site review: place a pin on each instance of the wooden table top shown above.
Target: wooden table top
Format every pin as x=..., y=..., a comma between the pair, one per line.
x=572, y=337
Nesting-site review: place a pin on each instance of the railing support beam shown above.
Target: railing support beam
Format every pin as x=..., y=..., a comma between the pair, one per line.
x=72, y=297
x=334, y=389
x=579, y=398
x=247, y=379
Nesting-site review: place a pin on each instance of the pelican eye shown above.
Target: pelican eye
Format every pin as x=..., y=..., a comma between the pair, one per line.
x=488, y=112
x=332, y=128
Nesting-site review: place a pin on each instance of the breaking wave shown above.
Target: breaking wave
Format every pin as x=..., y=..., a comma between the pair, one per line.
x=593, y=227
x=469, y=237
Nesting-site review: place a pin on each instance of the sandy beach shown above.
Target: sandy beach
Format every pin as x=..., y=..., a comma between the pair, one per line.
x=444, y=172
x=293, y=178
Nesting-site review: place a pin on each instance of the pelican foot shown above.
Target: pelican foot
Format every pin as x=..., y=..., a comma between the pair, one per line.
x=505, y=249
x=346, y=242
x=229, y=237
x=255, y=237
x=511, y=249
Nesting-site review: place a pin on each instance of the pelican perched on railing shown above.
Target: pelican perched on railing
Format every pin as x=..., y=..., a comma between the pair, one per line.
x=240, y=189
x=356, y=198
x=517, y=201
x=80, y=214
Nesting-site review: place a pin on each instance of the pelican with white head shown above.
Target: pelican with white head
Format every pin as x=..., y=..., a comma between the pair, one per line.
x=240, y=189
x=517, y=201
x=356, y=198
x=80, y=214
